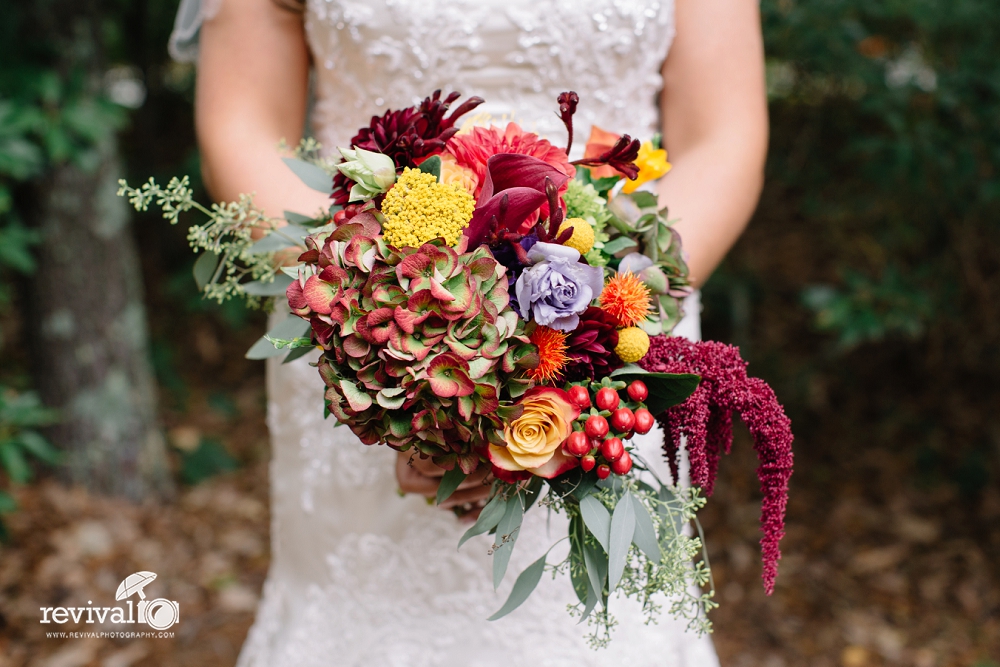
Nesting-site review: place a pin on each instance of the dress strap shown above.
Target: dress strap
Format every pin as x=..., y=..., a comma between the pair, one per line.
x=183, y=45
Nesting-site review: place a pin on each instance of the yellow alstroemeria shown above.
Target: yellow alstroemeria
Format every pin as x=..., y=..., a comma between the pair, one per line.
x=652, y=163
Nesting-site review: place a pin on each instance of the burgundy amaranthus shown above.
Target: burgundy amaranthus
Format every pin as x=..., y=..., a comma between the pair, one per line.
x=705, y=420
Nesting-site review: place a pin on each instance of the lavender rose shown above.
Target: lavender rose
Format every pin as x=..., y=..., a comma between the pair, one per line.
x=557, y=287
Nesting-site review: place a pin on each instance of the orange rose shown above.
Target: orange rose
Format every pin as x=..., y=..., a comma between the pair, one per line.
x=534, y=440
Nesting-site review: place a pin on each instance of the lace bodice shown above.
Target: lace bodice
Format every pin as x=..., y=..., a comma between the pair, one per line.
x=517, y=54
x=360, y=575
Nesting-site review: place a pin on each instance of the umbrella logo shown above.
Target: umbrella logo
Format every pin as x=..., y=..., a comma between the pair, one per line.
x=158, y=614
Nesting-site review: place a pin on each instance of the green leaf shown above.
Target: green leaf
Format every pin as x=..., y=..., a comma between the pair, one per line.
x=204, y=269
x=311, y=175
x=592, y=599
x=13, y=461
x=578, y=568
x=665, y=389
x=296, y=353
x=622, y=529
x=488, y=519
x=291, y=327
x=506, y=537
x=7, y=502
x=644, y=199
x=597, y=568
x=645, y=532
x=532, y=491
x=289, y=236
x=432, y=165
x=33, y=442
x=523, y=587
x=449, y=483
x=618, y=244
x=598, y=520
x=276, y=287
x=298, y=219
x=209, y=459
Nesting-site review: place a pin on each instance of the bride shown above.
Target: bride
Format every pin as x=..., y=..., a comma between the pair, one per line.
x=364, y=571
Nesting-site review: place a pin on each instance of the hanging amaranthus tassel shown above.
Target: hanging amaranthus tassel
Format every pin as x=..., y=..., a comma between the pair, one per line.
x=705, y=422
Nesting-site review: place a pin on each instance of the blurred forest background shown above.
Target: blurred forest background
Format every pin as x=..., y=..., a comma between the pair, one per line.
x=867, y=291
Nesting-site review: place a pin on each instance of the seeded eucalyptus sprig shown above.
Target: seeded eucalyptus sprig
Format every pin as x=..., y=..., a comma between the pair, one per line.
x=232, y=262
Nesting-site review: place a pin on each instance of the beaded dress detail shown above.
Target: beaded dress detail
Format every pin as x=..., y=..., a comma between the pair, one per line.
x=360, y=575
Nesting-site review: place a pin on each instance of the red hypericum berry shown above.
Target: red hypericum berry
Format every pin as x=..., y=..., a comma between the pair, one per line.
x=596, y=426
x=612, y=449
x=623, y=420
x=603, y=471
x=622, y=465
x=588, y=462
x=607, y=398
x=577, y=444
x=339, y=216
x=352, y=210
x=594, y=442
x=637, y=391
x=643, y=420
x=579, y=396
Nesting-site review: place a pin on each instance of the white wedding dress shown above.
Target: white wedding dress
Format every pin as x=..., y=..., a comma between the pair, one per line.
x=361, y=576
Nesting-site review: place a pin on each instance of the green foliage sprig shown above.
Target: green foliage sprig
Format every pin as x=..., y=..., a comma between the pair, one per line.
x=226, y=239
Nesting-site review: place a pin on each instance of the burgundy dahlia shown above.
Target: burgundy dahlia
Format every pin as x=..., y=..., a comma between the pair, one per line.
x=705, y=421
x=590, y=347
x=408, y=135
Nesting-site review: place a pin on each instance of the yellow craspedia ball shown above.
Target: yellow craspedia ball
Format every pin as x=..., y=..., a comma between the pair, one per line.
x=583, y=235
x=633, y=344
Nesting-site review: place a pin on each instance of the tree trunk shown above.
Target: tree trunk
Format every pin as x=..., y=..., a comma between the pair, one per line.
x=91, y=352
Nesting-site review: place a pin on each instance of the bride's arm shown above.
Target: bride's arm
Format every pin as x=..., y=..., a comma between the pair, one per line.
x=714, y=126
x=253, y=78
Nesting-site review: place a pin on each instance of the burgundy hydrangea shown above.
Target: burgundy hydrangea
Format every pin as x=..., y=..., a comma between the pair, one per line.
x=408, y=135
x=705, y=420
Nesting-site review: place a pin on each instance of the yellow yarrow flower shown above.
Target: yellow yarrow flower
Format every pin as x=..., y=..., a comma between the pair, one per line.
x=633, y=344
x=652, y=163
x=418, y=209
x=582, y=239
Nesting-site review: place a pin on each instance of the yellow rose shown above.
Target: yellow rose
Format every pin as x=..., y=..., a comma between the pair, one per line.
x=652, y=163
x=534, y=439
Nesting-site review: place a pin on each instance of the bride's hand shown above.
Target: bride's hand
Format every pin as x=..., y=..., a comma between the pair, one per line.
x=418, y=475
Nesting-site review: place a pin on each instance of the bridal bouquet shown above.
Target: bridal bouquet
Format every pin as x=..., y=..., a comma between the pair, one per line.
x=482, y=300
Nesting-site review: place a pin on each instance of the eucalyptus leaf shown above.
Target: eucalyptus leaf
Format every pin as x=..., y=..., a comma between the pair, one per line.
x=523, y=587
x=311, y=175
x=506, y=537
x=622, y=529
x=294, y=218
x=295, y=354
x=291, y=327
x=645, y=532
x=592, y=599
x=597, y=568
x=276, y=287
x=204, y=268
x=449, y=483
x=488, y=519
x=598, y=520
x=288, y=236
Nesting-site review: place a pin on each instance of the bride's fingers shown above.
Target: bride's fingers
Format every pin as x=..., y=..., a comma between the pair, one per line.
x=411, y=480
x=471, y=497
x=477, y=479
